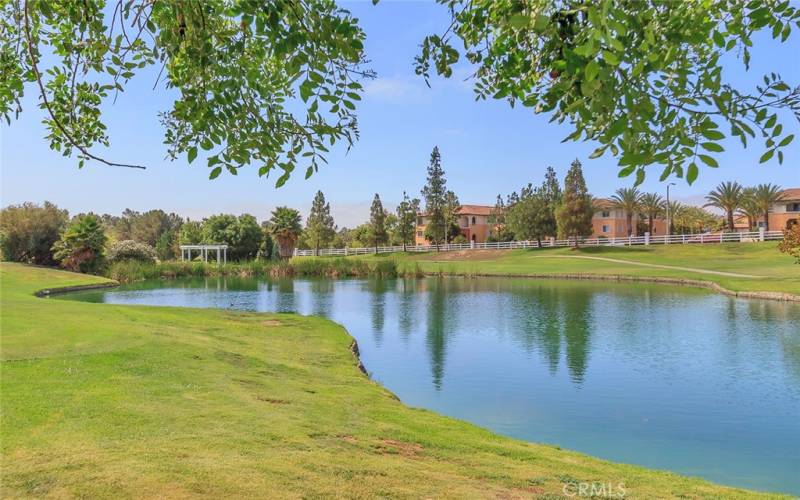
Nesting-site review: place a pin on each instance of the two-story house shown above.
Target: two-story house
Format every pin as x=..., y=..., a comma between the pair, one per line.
x=473, y=221
x=610, y=222
x=782, y=214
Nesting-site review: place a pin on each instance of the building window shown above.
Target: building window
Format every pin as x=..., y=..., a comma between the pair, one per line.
x=419, y=234
x=605, y=229
x=419, y=221
x=761, y=224
x=473, y=220
x=793, y=207
x=605, y=214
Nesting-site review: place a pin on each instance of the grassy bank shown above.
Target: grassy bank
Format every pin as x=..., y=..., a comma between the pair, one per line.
x=103, y=400
x=756, y=267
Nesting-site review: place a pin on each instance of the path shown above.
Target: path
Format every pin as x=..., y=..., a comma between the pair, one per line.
x=660, y=266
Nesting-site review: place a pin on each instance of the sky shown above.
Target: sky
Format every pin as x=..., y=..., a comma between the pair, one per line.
x=487, y=147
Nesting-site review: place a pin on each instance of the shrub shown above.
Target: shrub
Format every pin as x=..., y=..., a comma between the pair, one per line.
x=459, y=239
x=131, y=250
x=791, y=242
x=81, y=246
x=29, y=231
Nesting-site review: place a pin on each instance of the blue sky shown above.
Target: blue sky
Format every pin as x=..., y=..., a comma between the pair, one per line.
x=487, y=147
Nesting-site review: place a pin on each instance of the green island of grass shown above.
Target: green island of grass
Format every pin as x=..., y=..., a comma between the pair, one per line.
x=126, y=401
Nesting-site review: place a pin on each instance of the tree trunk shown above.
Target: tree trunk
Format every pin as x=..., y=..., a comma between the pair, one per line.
x=650, y=224
x=629, y=219
x=538, y=242
x=285, y=246
x=766, y=220
x=730, y=220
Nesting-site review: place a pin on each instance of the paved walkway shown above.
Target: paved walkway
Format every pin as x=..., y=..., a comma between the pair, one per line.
x=659, y=266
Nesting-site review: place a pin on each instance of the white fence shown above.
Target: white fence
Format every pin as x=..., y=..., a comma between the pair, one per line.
x=702, y=238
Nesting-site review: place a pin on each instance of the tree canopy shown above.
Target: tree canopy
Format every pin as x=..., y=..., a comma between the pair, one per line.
x=320, y=228
x=272, y=84
x=643, y=78
x=275, y=84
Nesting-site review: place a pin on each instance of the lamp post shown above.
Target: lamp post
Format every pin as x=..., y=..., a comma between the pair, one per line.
x=669, y=222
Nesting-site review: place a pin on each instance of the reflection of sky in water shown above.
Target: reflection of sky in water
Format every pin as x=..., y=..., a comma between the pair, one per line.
x=680, y=379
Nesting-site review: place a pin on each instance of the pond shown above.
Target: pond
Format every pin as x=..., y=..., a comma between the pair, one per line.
x=655, y=375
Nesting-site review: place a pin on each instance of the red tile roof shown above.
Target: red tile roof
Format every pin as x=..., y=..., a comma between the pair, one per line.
x=603, y=203
x=476, y=210
x=790, y=194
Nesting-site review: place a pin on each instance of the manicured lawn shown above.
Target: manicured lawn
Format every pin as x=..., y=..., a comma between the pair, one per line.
x=122, y=401
x=775, y=271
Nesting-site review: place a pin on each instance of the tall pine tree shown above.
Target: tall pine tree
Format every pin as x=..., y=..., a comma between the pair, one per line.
x=452, y=209
x=574, y=214
x=407, y=219
x=320, y=228
x=434, y=193
x=377, y=223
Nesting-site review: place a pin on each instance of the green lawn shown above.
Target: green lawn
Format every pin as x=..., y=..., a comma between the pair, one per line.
x=776, y=271
x=124, y=401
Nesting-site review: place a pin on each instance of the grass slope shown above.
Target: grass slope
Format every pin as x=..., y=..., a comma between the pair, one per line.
x=776, y=271
x=124, y=401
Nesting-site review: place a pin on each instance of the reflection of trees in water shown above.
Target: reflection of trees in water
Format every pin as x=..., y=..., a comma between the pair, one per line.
x=771, y=312
x=406, y=307
x=321, y=296
x=378, y=288
x=284, y=300
x=541, y=317
x=577, y=331
x=437, y=330
x=545, y=316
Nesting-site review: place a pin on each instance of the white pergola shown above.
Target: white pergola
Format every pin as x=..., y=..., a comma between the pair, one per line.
x=186, y=252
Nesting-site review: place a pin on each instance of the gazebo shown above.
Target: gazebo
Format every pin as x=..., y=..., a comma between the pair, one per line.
x=186, y=252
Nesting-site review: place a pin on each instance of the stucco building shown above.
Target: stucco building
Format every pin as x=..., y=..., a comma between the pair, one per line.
x=610, y=222
x=473, y=222
x=782, y=214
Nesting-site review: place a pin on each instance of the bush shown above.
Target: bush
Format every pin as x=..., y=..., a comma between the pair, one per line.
x=29, y=231
x=81, y=246
x=459, y=239
x=791, y=242
x=131, y=250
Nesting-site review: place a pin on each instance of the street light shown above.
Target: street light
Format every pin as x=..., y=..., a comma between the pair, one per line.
x=669, y=222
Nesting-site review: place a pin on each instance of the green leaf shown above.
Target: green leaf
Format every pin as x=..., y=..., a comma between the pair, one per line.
x=519, y=21
x=625, y=172
x=610, y=58
x=711, y=162
x=766, y=156
x=541, y=22
x=712, y=134
x=215, y=172
x=592, y=69
x=192, y=153
x=712, y=146
x=786, y=140
x=691, y=173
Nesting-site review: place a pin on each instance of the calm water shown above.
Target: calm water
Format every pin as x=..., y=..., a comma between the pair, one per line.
x=665, y=377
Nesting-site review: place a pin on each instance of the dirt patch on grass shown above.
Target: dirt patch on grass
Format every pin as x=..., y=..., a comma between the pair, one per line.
x=394, y=447
x=466, y=255
x=271, y=322
x=272, y=400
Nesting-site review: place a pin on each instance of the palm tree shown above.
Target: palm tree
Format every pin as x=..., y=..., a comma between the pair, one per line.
x=285, y=226
x=766, y=195
x=627, y=199
x=726, y=196
x=652, y=204
x=749, y=207
x=676, y=210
